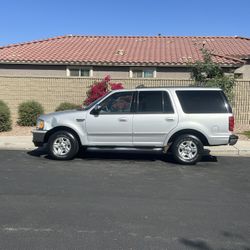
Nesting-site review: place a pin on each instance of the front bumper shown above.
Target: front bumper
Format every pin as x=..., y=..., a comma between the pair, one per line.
x=233, y=139
x=38, y=137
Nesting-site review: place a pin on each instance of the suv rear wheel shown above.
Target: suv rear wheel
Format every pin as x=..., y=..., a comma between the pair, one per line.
x=187, y=149
x=63, y=145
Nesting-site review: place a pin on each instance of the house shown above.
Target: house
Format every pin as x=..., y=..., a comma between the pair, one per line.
x=60, y=69
x=159, y=57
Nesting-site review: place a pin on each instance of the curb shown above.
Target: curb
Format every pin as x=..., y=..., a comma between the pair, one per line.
x=16, y=143
x=241, y=148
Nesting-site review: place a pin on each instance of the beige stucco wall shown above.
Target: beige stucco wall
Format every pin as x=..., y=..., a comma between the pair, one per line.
x=173, y=72
x=117, y=72
x=98, y=71
x=245, y=70
x=161, y=72
x=32, y=70
x=114, y=72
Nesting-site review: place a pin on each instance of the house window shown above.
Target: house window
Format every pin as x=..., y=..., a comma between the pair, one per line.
x=80, y=72
x=148, y=73
x=137, y=73
x=143, y=73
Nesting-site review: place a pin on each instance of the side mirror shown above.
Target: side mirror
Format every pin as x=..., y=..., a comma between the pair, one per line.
x=96, y=110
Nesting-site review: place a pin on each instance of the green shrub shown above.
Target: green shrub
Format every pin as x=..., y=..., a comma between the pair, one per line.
x=5, y=120
x=67, y=106
x=207, y=73
x=28, y=112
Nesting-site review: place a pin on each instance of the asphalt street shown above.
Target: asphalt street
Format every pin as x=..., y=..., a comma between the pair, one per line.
x=107, y=200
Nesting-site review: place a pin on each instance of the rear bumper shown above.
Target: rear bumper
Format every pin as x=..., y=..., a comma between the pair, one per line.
x=233, y=139
x=38, y=137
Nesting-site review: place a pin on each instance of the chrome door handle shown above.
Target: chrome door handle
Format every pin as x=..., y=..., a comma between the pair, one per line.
x=169, y=119
x=122, y=119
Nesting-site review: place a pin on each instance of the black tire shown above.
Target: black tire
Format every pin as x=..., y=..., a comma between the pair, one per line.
x=187, y=149
x=63, y=145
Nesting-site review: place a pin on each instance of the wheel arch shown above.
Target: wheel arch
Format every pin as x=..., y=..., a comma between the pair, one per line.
x=61, y=128
x=194, y=132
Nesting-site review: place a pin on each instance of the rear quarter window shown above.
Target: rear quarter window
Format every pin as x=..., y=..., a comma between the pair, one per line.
x=200, y=101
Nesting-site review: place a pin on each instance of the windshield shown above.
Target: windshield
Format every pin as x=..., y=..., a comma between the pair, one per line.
x=95, y=102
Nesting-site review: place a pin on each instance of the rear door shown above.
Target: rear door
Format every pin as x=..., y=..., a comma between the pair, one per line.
x=155, y=117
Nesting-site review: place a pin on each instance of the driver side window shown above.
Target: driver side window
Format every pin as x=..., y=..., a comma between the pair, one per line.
x=117, y=103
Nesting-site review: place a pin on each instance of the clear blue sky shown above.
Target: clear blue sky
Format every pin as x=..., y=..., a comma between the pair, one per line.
x=25, y=20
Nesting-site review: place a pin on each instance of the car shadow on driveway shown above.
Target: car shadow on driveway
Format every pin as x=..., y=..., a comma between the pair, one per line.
x=117, y=155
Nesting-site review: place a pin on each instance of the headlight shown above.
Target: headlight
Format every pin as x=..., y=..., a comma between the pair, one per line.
x=40, y=124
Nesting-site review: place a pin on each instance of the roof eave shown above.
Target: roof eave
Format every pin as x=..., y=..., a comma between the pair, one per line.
x=93, y=63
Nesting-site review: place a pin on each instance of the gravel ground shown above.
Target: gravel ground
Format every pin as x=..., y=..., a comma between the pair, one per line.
x=23, y=131
x=18, y=131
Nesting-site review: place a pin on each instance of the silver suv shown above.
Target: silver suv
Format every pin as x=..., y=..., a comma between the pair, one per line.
x=179, y=120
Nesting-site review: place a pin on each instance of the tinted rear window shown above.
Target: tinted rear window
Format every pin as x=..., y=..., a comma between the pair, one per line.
x=193, y=101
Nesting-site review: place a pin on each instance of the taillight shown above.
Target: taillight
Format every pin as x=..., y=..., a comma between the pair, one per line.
x=231, y=123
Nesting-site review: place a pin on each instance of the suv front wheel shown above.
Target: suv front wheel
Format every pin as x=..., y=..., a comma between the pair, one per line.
x=187, y=149
x=63, y=145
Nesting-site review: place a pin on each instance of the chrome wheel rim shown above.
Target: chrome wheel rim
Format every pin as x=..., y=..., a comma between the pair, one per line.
x=187, y=150
x=61, y=146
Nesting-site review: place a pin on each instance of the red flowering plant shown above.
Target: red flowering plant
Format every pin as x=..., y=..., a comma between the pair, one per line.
x=99, y=89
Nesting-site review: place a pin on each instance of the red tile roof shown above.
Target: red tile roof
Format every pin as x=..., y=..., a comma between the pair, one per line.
x=127, y=50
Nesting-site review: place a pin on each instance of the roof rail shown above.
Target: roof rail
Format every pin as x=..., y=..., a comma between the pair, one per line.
x=159, y=87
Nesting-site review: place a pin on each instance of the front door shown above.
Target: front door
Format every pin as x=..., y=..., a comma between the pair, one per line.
x=154, y=119
x=113, y=124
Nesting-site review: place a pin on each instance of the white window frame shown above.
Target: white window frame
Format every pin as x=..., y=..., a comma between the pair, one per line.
x=142, y=68
x=79, y=68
